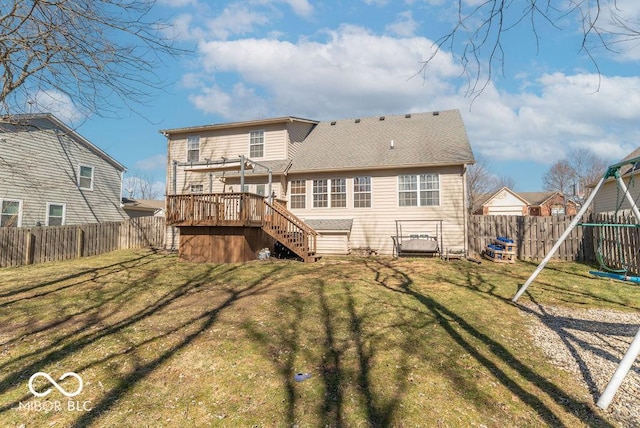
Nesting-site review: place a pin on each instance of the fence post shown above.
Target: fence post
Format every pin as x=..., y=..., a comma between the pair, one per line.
x=80, y=242
x=29, y=250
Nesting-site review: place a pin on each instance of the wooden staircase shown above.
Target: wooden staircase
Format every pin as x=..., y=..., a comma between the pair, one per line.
x=290, y=231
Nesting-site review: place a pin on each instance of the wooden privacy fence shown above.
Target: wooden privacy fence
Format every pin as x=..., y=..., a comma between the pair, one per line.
x=28, y=245
x=535, y=236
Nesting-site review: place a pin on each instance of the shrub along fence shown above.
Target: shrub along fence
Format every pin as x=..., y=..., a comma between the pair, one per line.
x=28, y=245
x=617, y=246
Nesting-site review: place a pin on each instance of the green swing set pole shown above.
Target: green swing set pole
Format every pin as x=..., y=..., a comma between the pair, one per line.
x=555, y=247
x=632, y=203
x=634, y=349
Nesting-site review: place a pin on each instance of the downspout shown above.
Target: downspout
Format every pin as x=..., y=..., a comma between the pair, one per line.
x=241, y=173
x=175, y=178
x=269, y=187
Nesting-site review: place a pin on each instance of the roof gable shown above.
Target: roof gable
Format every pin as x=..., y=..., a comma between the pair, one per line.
x=231, y=125
x=502, y=193
x=422, y=139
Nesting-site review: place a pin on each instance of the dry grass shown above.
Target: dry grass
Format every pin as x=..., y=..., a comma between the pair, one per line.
x=388, y=343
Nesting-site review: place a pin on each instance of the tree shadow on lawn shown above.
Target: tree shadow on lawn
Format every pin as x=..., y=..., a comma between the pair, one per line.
x=332, y=330
x=477, y=279
x=564, y=327
x=92, y=325
x=105, y=270
x=396, y=280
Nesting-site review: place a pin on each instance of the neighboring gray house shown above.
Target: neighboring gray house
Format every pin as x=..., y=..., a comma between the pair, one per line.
x=50, y=175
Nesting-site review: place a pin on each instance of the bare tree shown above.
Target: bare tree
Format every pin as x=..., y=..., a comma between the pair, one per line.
x=560, y=177
x=476, y=39
x=481, y=182
x=572, y=175
x=141, y=186
x=102, y=54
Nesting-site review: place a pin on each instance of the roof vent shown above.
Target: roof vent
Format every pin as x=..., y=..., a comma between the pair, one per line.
x=436, y=113
x=357, y=120
x=333, y=123
x=392, y=145
x=381, y=117
x=407, y=116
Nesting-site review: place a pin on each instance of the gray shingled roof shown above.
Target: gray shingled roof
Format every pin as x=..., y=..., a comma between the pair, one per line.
x=419, y=139
x=330, y=224
x=535, y=198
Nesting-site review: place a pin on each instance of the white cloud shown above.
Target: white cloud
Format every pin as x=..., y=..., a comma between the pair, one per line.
x=569, y=111
x=155, y=162
x=236, y=19
x=404, y=25
x=351, y=71
x=300, y=7
x=57, y=103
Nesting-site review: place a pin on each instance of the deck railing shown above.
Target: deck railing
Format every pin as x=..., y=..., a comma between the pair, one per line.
x=290, y=230
x=215, y=209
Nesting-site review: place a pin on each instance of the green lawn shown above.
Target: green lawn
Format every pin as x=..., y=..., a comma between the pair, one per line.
x=409, y=342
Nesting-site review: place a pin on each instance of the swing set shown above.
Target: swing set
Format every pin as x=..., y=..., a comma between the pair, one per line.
x=619, y=271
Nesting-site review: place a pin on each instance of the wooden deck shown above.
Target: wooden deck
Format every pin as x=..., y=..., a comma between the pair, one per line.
x=228, y=211
x=216, y=209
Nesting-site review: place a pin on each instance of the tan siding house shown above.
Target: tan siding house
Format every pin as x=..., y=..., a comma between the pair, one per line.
x=609, y=198
x=50, y=175
x=350, y=180
x=507, y=202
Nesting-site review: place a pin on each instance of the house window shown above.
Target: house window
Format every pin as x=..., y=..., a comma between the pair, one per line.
x=85, y=177
x=429, y=190
x=260, y=189
x=256, y=144
x=419, y=190
x=55, y=214
x=196, y=188
x=10, y=214
x=557, y=210
x=362, y=192
x=298, y=194
x=193, y=149
x=320, y=193
x=338, y=193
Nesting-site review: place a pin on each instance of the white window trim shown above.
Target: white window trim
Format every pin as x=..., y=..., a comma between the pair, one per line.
x=64, y=212
x=264, y=144
x=199, y=147
x=353, y=192
x=313, y=193
x=346, y=192
x=418, y=190
x=191, y=186
x=93, y=174
x=306, y=194
x=19, y=201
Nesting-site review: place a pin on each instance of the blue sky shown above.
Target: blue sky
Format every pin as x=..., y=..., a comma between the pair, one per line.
x=336, y=59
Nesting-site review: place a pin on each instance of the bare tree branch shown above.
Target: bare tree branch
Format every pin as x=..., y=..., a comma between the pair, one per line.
x=100, y=53
x=476, y=39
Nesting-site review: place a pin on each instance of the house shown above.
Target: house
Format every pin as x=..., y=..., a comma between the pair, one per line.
x=609, y=198
x=507, y=202
x=143, y=207
x=50, y=175
x=348, y=181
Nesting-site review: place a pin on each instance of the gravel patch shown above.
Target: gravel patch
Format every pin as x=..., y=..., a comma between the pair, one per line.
x=590, y=343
